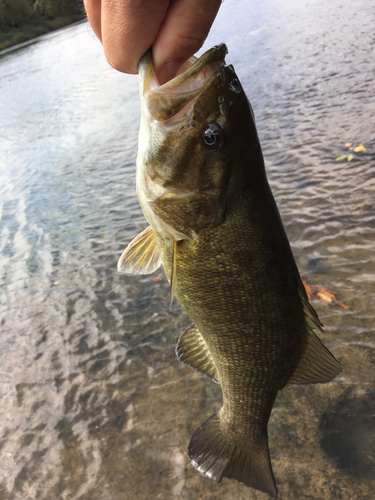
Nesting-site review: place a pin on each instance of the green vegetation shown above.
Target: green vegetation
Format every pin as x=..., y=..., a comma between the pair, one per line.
x=22, y=20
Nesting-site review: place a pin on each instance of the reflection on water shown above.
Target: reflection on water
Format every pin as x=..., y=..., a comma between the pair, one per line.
x=94, y=404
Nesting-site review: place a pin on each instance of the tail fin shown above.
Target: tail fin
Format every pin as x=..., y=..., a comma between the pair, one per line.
x=214, y=457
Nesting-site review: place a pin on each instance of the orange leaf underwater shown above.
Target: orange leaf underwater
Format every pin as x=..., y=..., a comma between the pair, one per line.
x=317, y=292
x=156, y=279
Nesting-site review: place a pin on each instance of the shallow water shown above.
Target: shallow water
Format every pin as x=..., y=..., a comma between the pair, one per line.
x=94, y=404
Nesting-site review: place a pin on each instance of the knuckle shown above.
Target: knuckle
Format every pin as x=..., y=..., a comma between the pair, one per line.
x=190, y=43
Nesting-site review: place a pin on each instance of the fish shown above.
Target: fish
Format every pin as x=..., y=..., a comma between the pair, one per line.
x=215, y=228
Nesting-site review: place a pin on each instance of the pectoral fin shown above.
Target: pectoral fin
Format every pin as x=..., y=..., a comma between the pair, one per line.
x=193, y=351
x=141, y=256
x=316, y=365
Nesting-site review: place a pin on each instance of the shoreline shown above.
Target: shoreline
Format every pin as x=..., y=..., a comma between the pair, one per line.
x=20, y=37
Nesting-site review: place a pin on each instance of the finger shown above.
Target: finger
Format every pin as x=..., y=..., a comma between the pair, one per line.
x=182, y=33
x=128, y=29
x=93, y=11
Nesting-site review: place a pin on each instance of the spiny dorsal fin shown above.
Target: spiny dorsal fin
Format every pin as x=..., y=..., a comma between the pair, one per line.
x=173, y=273
x=215, y=457
x=310, y=313
x=141, y=256
x=192, y=350
x=316, y=365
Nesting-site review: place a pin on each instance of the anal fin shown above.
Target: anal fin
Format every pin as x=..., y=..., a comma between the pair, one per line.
x=316, y=365
x=215, y=457
x=193, y=351
x=141, y=256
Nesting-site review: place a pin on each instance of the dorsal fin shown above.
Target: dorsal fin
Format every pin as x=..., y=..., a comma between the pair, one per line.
x=317, y=364
x=141, y=256
x=173, y=272
x=310, y=313
x=193, y=351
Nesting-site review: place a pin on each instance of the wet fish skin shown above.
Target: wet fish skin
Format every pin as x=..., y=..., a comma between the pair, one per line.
x=216, y=228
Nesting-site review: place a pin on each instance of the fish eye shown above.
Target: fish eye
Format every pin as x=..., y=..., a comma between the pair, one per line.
x=212, y=136
x=235, y=86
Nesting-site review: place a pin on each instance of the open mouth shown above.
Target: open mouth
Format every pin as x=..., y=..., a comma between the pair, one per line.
x=165, y=101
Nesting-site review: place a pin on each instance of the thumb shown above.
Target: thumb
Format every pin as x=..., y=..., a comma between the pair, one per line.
x=183, y=32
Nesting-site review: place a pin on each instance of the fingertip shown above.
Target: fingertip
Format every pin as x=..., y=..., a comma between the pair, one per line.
x=129, y=28
x=93, y=13
x=182, y=34
x=118, y=60
x=167, y=71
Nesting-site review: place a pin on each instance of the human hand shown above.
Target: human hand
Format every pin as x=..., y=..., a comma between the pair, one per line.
x=176, y=29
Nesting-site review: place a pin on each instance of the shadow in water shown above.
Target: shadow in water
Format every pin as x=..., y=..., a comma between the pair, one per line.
x=348, y=434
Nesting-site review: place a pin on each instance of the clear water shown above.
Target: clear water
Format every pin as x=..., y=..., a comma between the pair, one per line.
x=93, y=403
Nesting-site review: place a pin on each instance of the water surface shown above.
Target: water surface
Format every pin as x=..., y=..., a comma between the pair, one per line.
x=94, y=404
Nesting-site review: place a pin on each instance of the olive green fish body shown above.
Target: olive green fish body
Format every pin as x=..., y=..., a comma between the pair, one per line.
x=216, y=228
x=238, y=284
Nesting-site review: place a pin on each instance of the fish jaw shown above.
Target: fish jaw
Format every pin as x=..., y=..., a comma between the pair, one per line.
x=164, y=101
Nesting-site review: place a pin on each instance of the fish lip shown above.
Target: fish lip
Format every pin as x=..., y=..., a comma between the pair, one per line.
x=149, y=80
x=169, y=102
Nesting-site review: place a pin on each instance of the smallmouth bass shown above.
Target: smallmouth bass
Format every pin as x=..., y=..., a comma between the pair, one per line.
x=215, y=227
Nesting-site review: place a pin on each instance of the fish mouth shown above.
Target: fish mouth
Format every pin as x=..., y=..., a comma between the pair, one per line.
x=165, y=101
